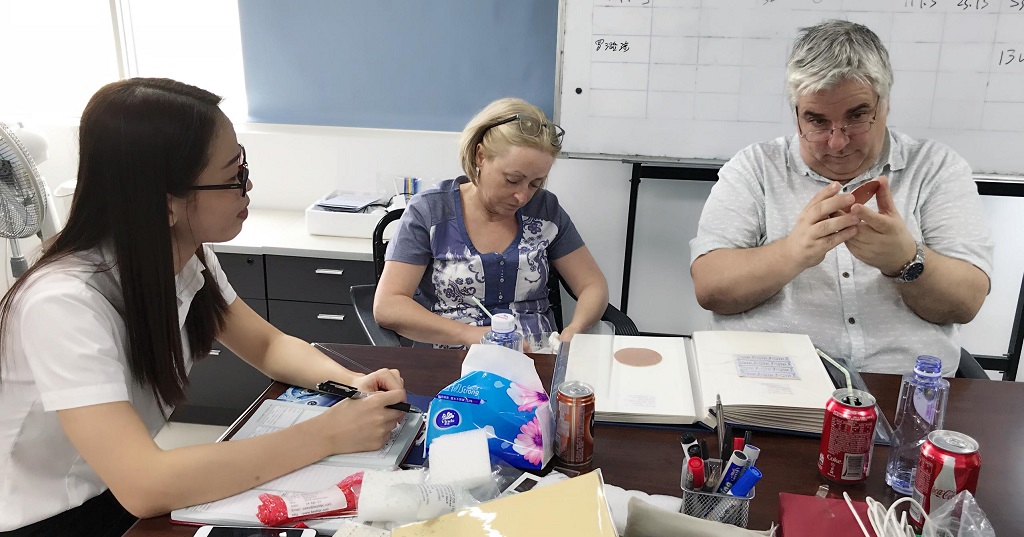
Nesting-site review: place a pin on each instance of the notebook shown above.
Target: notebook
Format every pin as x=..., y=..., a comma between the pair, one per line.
x=766, y=380
x=811, y=516
x=273, y=415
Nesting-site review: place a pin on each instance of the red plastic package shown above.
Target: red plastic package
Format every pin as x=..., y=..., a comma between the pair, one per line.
x=341, y=499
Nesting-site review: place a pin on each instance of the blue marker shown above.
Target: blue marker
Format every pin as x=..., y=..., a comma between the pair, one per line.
x=746, y=482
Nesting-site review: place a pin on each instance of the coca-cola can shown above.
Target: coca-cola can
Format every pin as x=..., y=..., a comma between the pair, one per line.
x=574, y=430
x=847, y=436
x=949, y=464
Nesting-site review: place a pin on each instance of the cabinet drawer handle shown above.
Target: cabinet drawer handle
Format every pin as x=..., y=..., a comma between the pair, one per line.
x=330, y=317
x=330, y=271
x=214, y=352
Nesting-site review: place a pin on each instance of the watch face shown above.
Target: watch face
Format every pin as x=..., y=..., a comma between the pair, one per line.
x=913, y=271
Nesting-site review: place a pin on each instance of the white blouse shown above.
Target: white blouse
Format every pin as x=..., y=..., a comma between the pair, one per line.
x=67, y=348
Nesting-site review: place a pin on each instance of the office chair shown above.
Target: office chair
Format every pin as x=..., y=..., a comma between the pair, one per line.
x=969, y=367
x=362, y=296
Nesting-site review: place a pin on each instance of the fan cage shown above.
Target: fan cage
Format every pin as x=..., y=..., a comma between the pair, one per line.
x=22, y=190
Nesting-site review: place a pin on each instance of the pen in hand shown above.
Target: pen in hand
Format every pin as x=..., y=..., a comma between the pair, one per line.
x=345, y=391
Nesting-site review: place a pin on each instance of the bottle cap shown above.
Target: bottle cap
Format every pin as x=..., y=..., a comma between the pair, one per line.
x=503, y=323
x=928, y=366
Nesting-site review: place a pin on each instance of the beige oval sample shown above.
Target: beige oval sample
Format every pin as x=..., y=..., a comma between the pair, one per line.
x=637, y=357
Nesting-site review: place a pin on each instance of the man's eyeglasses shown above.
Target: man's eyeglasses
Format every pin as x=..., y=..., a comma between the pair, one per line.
x=530, y=126
x=242, y=177
x=850, y=129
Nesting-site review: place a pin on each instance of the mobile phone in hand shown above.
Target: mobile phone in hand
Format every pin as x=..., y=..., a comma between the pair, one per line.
x=231, y=531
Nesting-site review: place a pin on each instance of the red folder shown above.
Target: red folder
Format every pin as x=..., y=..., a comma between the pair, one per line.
x=811, y=516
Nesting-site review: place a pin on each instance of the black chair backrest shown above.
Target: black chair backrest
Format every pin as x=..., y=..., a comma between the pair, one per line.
x=380, y=246
x=555, y=295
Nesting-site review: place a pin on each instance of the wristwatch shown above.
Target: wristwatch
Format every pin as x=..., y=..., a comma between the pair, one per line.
x=912, y=270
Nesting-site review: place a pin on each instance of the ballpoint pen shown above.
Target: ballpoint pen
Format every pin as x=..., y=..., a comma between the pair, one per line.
x=345, y=391
x=720, y=427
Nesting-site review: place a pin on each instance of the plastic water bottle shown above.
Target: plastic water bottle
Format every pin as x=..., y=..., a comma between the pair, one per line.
x=503, y=332
x=920, y=410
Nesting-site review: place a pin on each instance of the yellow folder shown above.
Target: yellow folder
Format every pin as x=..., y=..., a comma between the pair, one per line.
x=575, y=507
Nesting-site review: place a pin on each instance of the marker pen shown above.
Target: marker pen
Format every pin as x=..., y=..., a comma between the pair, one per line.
x=695, y=466
x=746, y=482
x=692, y=451
x=687, y=440
x=752, y=452
x=737, y=443
x=732, y=472
x=704, y=453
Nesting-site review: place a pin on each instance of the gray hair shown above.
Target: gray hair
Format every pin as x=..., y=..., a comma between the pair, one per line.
x=829, y=53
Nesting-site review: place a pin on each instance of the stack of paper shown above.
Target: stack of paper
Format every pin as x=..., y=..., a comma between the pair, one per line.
x=273, y=415
x=348, y=202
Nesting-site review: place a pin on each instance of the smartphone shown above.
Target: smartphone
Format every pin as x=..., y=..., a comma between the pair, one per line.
x=231, y=531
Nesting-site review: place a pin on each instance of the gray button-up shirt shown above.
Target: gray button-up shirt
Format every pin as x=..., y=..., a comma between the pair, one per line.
x=848, y=307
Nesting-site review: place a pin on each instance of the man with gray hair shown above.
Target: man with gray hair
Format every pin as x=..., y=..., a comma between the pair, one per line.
x=783, y=244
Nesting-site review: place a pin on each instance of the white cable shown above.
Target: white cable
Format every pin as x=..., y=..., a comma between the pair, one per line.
x=883, y=520
x=860, y=522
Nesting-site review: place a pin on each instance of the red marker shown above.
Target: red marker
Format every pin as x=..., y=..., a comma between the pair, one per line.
x=696, y=466
x=738, y=443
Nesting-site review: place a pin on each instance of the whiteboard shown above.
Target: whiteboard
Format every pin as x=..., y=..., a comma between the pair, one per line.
x=701, y=79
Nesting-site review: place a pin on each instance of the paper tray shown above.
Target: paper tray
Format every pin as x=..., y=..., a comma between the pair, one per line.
x=320, y=221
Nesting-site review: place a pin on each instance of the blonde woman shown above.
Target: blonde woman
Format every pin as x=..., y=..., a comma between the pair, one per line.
x=492, y=235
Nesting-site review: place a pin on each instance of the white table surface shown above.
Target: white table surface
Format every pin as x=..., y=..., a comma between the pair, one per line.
x=284, y=233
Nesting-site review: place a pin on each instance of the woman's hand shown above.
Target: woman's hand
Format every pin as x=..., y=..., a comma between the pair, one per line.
x=381, y=380
x=363, y=424
x=568, y=333
x=473, y=334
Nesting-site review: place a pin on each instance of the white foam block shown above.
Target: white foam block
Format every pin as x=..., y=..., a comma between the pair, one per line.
x=375, y=502
x=461, y=458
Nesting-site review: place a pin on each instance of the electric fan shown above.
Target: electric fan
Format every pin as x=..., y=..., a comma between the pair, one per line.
x=23, y=196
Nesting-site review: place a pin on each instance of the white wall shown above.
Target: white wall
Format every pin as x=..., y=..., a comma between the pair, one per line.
x=293, y=165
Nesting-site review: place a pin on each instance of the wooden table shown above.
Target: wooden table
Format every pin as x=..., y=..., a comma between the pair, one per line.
x=650, y=459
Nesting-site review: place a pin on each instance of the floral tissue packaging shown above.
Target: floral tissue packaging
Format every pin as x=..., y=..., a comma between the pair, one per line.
x=501, y=393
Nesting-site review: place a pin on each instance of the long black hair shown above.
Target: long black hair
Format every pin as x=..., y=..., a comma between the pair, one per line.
x=141, y=140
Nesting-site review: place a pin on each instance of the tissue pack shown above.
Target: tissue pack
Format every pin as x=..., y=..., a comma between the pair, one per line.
x=514, y=412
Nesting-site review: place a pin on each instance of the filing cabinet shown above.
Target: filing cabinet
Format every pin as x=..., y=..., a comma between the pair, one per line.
x=309, y=297
x=305, y=297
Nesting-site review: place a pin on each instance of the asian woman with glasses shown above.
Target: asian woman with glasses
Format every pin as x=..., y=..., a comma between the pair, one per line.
x=99, y=335
x=489, y=238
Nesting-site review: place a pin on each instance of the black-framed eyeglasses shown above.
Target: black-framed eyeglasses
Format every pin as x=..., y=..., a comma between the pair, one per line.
x=242, y=177
x=530, y=126
x=850, y=129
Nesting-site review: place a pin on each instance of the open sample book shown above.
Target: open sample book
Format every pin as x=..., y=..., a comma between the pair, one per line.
x=766, y=380
x=273, y=415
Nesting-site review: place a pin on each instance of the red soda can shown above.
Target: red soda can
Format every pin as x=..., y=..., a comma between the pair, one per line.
x=574, y=431
x=847, y=436
x=949, y=464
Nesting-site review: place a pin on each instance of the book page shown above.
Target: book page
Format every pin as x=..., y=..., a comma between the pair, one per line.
x=760, y=368
x=635, y=375
x=274, y=415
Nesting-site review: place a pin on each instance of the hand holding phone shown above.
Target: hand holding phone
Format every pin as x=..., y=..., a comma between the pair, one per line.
x=231, y=531
x=865, y=192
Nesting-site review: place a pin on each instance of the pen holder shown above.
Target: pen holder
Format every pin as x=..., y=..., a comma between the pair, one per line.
x=723, y=508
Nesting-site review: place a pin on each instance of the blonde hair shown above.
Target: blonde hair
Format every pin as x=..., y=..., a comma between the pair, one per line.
x=495, y=140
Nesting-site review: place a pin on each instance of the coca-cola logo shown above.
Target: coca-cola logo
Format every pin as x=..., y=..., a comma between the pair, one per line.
x=943, y=494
